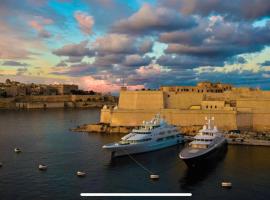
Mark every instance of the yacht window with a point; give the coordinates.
(137, 141)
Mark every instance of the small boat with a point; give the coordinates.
(42, 167)
(150, 136)
(17, 150)
(226, 184)
(81, 174)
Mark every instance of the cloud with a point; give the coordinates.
(22, 44)
(85, 21)
(150, 70)
(265, 63)
(21, 71)
(74, 59)
(61, 64)
(136, 60)
(150, 19)
(75, 50)
(222, 40)
(115, 43)
(39, 24)
(14, 63)
(90, 83)
(239, 9)
(187, 62)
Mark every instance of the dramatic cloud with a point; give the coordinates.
(150, 19)
(183, 61)
(238, 9)
(224, 39)
(136, 60)
(115, 43)
(75, 50)
(85, 21)
(14, 63)
(143, 43)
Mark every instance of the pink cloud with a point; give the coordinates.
(89, 83)
(85, 21)
(39, 24)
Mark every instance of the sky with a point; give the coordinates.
(102, 45)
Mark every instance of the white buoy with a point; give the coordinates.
(42, 167)
(81, 174)
(226, 184)
(154, 176)
(17, 150)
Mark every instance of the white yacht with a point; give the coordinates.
(208, 144)
(151, 135)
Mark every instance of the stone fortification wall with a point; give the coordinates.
(124, 117)
(141, 100)
(182, 100)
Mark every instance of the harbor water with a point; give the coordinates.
(44, 138)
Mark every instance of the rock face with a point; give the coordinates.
(187, 106)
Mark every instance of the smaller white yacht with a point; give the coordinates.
(151, 135)
(207, 145)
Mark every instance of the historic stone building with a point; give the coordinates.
(187, 106)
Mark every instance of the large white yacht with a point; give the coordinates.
(151, 135)
(208, 144)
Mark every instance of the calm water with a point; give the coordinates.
(44, 137)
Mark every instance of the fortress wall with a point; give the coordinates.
(244, 120)
(261, 121)
(182, 100)
(213, 105)
(254, 104)
(105, 116)
(224, 120)
(141, 100)
(122, 117)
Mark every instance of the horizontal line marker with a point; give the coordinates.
(136, 194)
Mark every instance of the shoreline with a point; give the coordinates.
(247, 139)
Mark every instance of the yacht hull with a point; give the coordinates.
(207, 158)
(122, 150)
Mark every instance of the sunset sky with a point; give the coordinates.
(101, 44)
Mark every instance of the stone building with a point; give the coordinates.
(187, 106)
(63, 89)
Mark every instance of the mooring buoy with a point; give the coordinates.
(226, 184)
(81, 174)
(154, 176)
(42, 167)
(17, 150)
